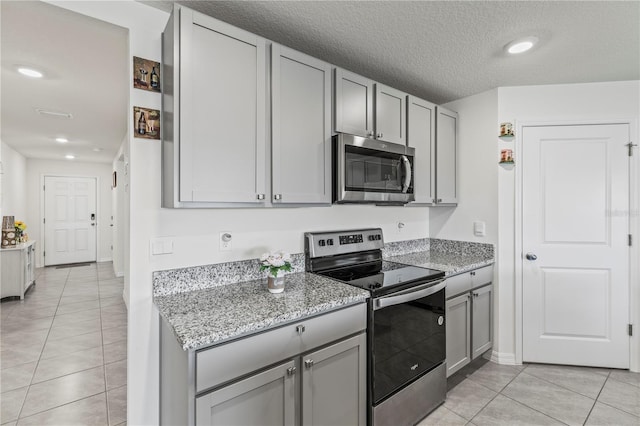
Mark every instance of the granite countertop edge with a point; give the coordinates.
(191, 326)
(450, 264)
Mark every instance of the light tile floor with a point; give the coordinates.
(63, 350)
(485, 393)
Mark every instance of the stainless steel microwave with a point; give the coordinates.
(371, 171)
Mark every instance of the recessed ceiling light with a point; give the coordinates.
(521, 45)
(59, 114)
(30, 72)
(69, 156)
(62, 140)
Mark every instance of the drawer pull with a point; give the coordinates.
(291, 371)
(308, 363)
(300, 329)
(473, 273)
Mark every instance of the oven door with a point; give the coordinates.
(407, 337)
(368, 170)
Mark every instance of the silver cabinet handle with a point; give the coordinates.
(473, 273)
(531, 256)
(308, 363)
(439, 200)
(277, 197)
(260, 196)
(300, 329)
(380, 135)
(370, 133)
(291, 371)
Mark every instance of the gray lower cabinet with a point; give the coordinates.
(334, 384)
(469, 313)
(311, 372)
(458, 315)
(265, 398)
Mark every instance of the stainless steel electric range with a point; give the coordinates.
(406, 324)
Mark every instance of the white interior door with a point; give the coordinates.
(576, 293)
(70, 220)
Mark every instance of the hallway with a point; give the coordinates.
(63, 354)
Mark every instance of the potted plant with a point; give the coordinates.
(277, 263)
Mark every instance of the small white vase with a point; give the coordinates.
(276, 284)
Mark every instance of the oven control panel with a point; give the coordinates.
(319, 244)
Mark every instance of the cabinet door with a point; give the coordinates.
(458, 316)
(391, 118)
(301, 127)
(482, 322)
(266, 398)
(222, 112)
(354, 104)
(446, 156)
(334, 384)
(421, 135)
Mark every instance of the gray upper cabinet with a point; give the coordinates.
(356, 113)
(353, 104)
(421, 135)
(214, 143)
(390, 114)
(301, 128)
(446, 156)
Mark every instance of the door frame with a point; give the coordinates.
(634, 228)
(40, 260)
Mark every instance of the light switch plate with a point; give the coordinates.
(479, 229)
(161, 246)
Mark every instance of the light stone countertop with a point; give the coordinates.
(204, 317)
(450, 263)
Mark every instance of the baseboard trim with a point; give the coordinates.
(504, 358)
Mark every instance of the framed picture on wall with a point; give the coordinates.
(146, 74)
(146, 123)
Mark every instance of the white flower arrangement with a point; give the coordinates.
(275, 262)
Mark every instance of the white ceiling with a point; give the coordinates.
(85, 62)
(438, 50)
(446, 50)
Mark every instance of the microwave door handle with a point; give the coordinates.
(408, 296)
(407, 176)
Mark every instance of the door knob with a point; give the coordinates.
(531, 256)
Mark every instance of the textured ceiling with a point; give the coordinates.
(446, 50)
(85, 62)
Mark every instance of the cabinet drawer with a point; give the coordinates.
(458, 284)
(482, 276)
(263, 349)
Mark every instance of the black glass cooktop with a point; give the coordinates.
(382, 275)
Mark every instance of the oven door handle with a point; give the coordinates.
(407, 176)
(408, 296)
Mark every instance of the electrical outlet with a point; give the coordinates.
(225, 241)
(400, 226)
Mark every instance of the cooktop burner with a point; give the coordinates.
(382, 275)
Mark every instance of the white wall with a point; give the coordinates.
(14, 189)
(37, 168)
(477, 172)
(594, 101)
(118, 212)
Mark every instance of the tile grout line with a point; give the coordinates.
(42, 348)
(497, 393)
(562, 387)
(597, 396)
